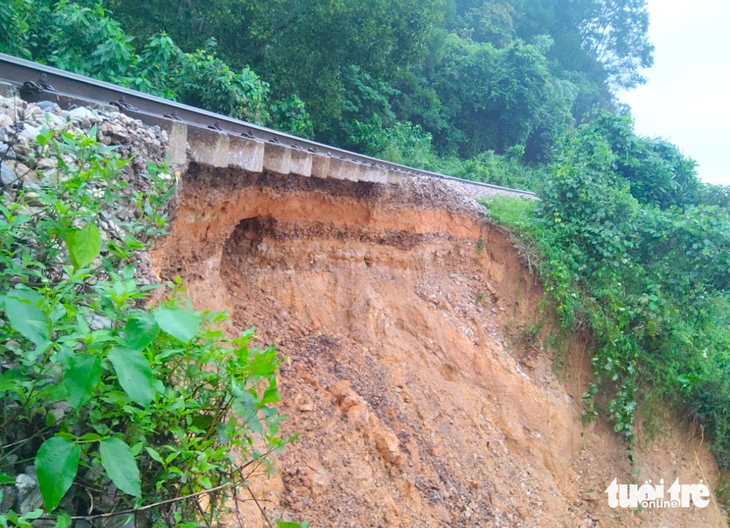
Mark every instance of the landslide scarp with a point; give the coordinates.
(400, 310)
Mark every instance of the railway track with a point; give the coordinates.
(37, 82)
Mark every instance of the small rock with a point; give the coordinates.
(114, 130)
(5, 151)
(442, 513)
(32, 199)
(53, 122)
(7, 175)
(388, 446)
(46, 164)
(29, 495)
(591, 496)
(21, 148)
(59, 410)
(24, 173)
(30, 132)
(81, 115)
(99, 322)
(49, 106)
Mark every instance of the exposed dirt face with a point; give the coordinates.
(401, 312)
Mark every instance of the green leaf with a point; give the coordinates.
(264, 363)
(56, 464)
(290, 524)
(180, 324)
(83, 245)
(24, 315)
(140, 330)
(118, 461)
(80, 376)
(155, 455)
(33, 514)
(64, 520)
(271, 395)
(6, 479)
(134, 374)
(10, 380)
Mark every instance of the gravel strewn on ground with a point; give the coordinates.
(23, 162)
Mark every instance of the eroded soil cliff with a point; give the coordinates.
(404, 317)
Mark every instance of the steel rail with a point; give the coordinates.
(38, 82)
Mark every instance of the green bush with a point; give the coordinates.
(119, 405)
(290, 115)
(86, 40)
(507, 170)
(630, 251)
(205, 81)
(14, 27)
(403, 143)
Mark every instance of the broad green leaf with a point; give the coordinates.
(24, 315)
(180, 324)
(6, 479)
(83, 245)
(264, 363)
(118, 461)
(10, 380)
(140, 330)
(203, 421)
(56, 464)
(134, 374)
(58, 312)
(80, 376)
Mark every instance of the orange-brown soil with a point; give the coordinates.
(419, 398)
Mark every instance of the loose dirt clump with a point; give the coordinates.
(421, 395)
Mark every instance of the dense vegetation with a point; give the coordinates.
(632, 246)
(429, 83)
(515, 92)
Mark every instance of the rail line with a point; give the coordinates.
(36, 82)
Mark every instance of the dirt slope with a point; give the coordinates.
(401, 311)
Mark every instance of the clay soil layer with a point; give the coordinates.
(416, 371)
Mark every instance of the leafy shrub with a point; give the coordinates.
(157, 67)
(506, 170)
(86, 40)
(119, 405)
(630, 251)
(403, 143)
(207, 82)
(290, 115)
(14, 27)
